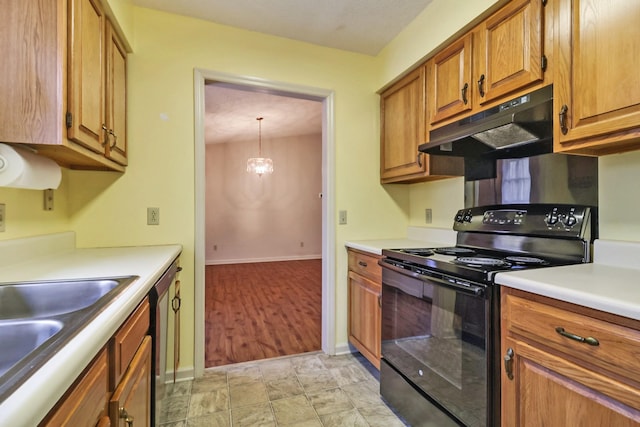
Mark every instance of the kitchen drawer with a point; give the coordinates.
(127, 340)
(365, 264)
(618, 349)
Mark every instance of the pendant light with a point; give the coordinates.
(259, 165)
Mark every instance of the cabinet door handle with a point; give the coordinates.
(380, 300)
(127, 418)
(106, 135)
(465, 88)
(588, 340)
(508, 363)
(419, 159)
(563, 119)
(481, 85)
(176, 302)
(362, 264)
(115, 139)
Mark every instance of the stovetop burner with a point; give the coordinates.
(481, 261)
(418, 252)
(454, 250)
(526, 260)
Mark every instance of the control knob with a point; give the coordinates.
(551, 218)
(570, 220)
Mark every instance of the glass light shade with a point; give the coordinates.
(259, 165)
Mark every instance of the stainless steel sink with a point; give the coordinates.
(38, 318)
(21, 337)
(46, 299)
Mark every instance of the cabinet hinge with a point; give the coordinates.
(543, 63)
(68, 120)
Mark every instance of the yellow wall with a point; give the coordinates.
(25, 214)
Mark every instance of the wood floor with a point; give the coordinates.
(262, 310)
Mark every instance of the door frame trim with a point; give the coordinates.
(201, 76)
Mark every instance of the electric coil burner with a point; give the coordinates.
(440, 314)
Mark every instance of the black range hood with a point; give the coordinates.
(521, 127)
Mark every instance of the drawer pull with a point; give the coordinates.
(588, 340)
(362, 264)
(508, 363)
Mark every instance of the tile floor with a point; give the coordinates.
(306, 390)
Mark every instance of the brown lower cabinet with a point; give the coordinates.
(566, 365)
(115, 389)
(364, 312)
(132, 399)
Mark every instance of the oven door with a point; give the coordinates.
(434, 347)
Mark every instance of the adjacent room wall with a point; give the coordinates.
(274, 217)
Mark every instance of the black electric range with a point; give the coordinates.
(493, 239)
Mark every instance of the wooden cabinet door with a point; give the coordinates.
(402, 127)
(86, 403)
(596, 84)
(449, 81)
(509, 50)
(548, 390)
(131, 401)
(116, 97)
(86, 74)
(32, 35)
(364, 317)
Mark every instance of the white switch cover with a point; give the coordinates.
(2, 217)
(342, 217)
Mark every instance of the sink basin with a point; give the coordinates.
(21, 337)
(37, 319)
(47, 299)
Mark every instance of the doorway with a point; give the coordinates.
(201, 77)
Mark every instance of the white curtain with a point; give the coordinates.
(516, 181)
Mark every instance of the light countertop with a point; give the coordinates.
(611, 283)
(417, 237)
(55, 257)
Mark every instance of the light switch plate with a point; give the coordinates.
(2, 216)
(342, 217)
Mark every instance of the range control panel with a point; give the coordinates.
(536, 219)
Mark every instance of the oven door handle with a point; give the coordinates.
(475, 290)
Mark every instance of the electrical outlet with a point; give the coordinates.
(2, 216)
(342, 217)
(153, 216)
(428, 216)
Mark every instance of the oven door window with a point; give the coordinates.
(438, 341)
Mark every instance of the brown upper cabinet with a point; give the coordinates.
(596, 90)
(402, 130)
(449, 81)
(500, 56)
(64, 91)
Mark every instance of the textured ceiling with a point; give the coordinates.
(363, 26)
(231, 115)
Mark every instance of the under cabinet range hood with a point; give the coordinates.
(520, 127)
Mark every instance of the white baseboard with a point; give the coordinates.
(182, 374)
(270, 259)
(344, 349)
